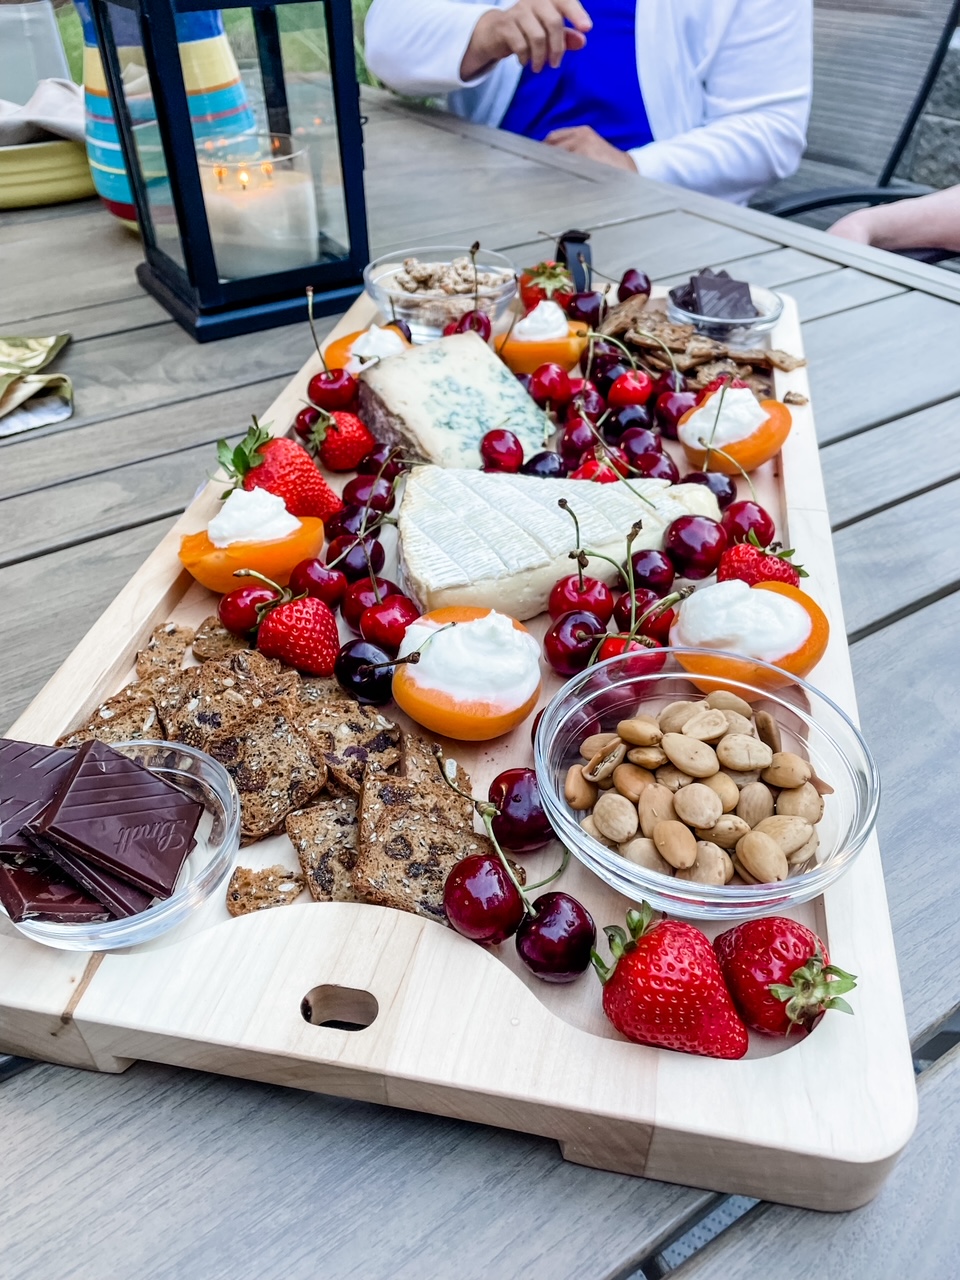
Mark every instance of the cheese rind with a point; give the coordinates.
(501, 541)
(438, 400)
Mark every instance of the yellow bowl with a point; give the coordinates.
(36, 173)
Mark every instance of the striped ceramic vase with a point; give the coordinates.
(218, 100)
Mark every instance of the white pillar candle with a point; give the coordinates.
(262, 218)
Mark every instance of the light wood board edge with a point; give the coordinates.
(458, 1034)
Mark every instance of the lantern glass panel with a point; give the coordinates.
(273, 190)
(163, 229)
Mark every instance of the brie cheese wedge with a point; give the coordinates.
(500, 541)
(439, 400)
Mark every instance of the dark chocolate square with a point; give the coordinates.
(39, 891)
(117, 814)
(30, 777)
(122, 898)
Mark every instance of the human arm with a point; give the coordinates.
(757, 85)
(422, 47)
(926, 222)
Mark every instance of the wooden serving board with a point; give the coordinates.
(454, 1029)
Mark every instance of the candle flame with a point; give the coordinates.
(243, 178)
(221, 173)
(267, 170)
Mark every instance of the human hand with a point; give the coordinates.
(534, 30)
(581, 140)
(856, 226)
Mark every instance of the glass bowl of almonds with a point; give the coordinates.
(431, 285)
(714, 799)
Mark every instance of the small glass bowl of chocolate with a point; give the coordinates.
(722, 308)
(136, 838)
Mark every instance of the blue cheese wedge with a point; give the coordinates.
(500, 541)
(439, 400)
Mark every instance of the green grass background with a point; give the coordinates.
(302, 50)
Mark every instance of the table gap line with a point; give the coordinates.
(68, 543)
(893, 417)
(915, 606)
(895, 502)
(83, 306)
(59, 428)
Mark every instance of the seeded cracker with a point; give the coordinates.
(257, 890)
(213, 641)
(325, 838)
(129, 714)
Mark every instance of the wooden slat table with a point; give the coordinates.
(189, 1174)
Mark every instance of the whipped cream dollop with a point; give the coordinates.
(486, 660)
(545, 323)
(739, 416)
(374, 344)
(251, 516)
(732, 615)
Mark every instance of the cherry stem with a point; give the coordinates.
(411, 659)
(645, 333)
(608, 337)
(474, 250)
(565, 505)
(623, 479)
(732, 460)
(564, 863)
(313, 331)
(716, 423)
(268, 582)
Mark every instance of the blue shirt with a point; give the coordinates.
(597, 85)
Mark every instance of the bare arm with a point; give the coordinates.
(534, 30)
(927, 222)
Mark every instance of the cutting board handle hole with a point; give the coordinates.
(344, 1008)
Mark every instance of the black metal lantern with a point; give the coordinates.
(240, 126)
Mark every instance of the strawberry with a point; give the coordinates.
(341, 440)
(303, 634)
(281, 466)
(717, 384)
(752, 563)
(665, 989)
(780, 976)
(546, 281)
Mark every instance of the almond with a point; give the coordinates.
(615, 817)
(676, 843)
(655, 805)
(577, 791)
(690, 755)
(642, 852)
(697, 805)
(762, 857)
(755, 803)
(640, 731)
(787, 770)
(739, 751)
(802, 802)
(724, 700)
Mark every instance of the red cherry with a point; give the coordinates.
(632, 283)
(656, 466)
(384, 460)
(571, 640)
(639, 440)
(646, 599)
(652, 570)
(650, 655)
(450, 328)
(355, 520)
(360, 595)
(481, 901)
(587, 403)
(384, 624)
(370, 491)
(600, 471)
(723, 488)
(347, 554)
(657, 622)
(695, 545)
(606, 373)
(594, 596)
(550, 385)
(576, 439)
(556, 942)
(305, 421)
(521, 824)
(723, 381)
(237, 610)
(546, 464)
(635, 387)
(631, 416)
(670, 408)
(669, 381)
(740, 518)
(475, 322)
(501, 451)
(314, 578)
(332, 389)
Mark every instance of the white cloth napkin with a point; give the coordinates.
(54, 111)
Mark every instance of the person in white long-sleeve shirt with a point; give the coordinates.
(712, 95)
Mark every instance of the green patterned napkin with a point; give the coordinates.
(29, 398)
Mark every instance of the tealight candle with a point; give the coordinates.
(262, 215)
